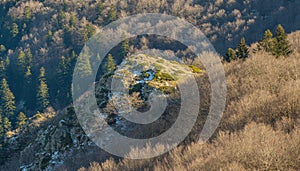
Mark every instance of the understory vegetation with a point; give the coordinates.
(260, 128)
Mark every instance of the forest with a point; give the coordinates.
(41, 40)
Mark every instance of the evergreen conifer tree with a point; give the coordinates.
(28, 75)
(29, 89)
(7, 99)
(230, 55)
(21, 120)
(110, 64)
(29, 58)
(42, 76)
(6, 125)
(27, 13)
(42, 93)
(14, 30)
(2, 70)
(125, 46)
(1, 127)
(281, 43)
(21, 61)
(64, 80)
(100, 8)
(242, 49)
(112, 13)
(83, 64)
(267, 43)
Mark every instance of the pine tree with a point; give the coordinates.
(42, 93)
(112, 14)
(22, 61)
(7, 99)
(24, 28)
(64, 80)
(42, 96)
(49, 36)
(6, 125)
(60, 18)
(63, 71)
(42, 76)
(88, 31)
(110, 64)
(28, 89)
(27, 13)
(20, 75)
(125, 46)
(281, 43)
(7, 61)
(29, 58)
(1, 127)
(14, 30)
(100, 8)
(242, 49)
(2, 69)
(73, 20)
(28, 75)
(21, 120)
(230, 55)
(83, 64)
(267, 43)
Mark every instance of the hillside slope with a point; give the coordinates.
(60, 141)
(260, 128)
(39, 45)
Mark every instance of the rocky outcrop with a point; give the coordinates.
(57, 142)
(63, 137)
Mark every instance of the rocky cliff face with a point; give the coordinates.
(57, 142)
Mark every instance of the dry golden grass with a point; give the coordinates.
(260, 129)
(262, 89)
(257, 147)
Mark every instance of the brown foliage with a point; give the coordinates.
(260, 129)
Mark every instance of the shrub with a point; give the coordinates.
(195, 69)
(167, 89)
(160, 61)
(163, 76)
(135, 88)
